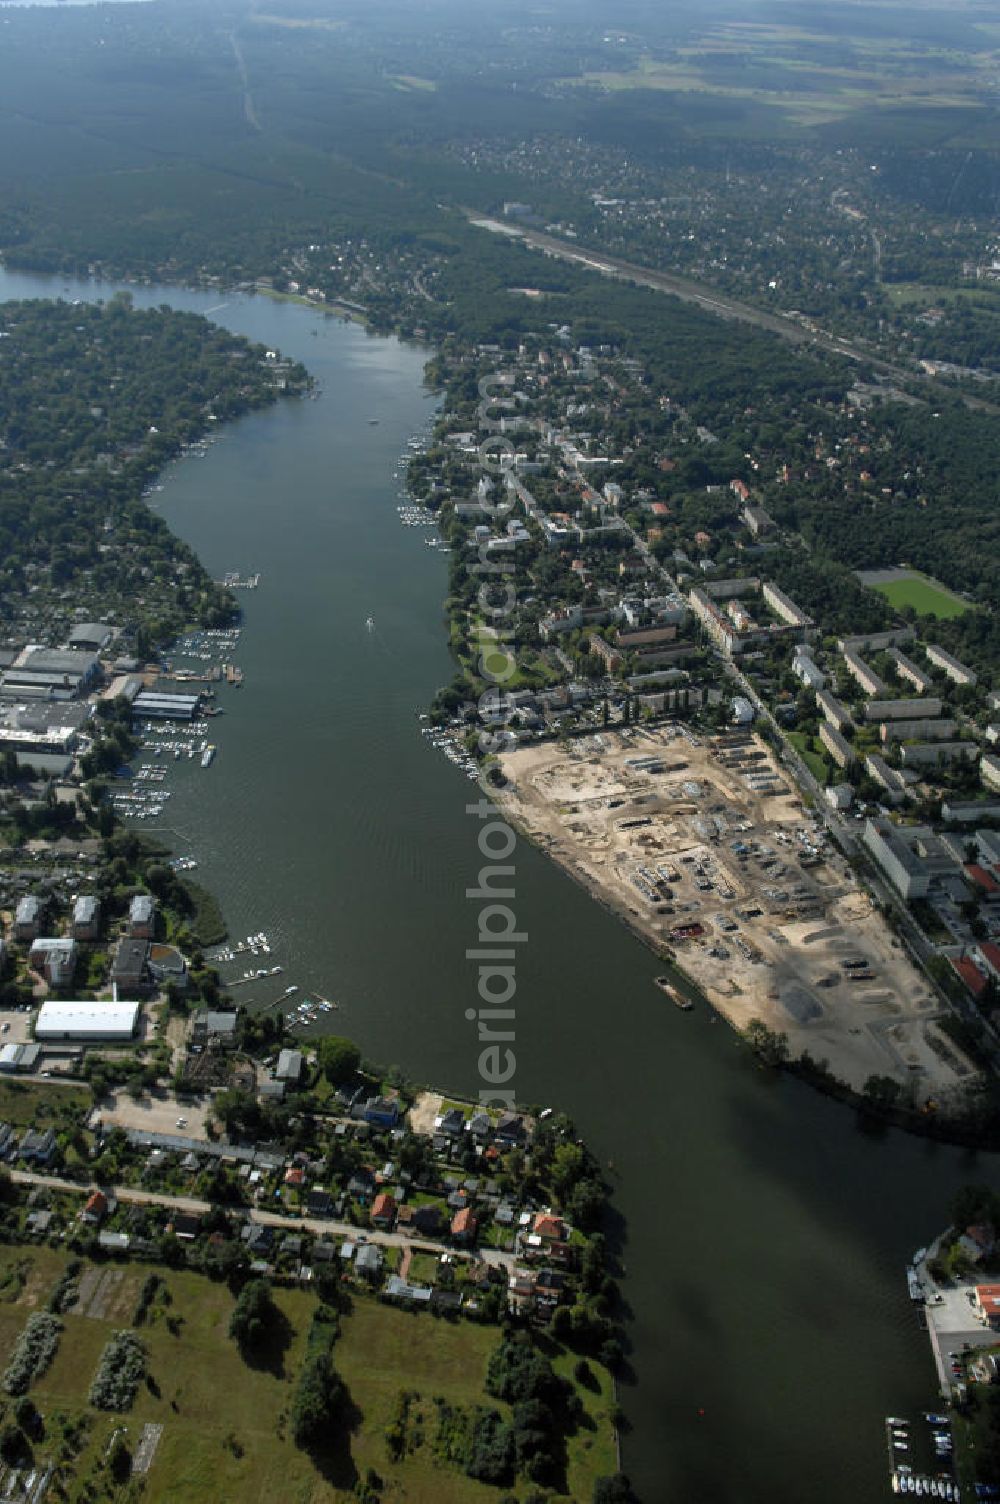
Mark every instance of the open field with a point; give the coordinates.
(908, 587)
(37, 1104)
(705, 850)
(225, 1422)
(812, 76)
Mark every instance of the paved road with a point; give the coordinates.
(316, 1225)
(720, 303)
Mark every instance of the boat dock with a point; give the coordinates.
(921, 1460)
(236, 581)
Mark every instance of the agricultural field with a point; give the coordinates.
(908, 587)
(813, 77)
(226, 1421)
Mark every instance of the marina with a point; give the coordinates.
(452, 749)
(921, 1462)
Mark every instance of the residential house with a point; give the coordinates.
(368, 1261)
(142, 916)
(289, 1066)
(37, 1147)
(975, 981)
(86, 924)
(259, 1240)
(427, 1220)
(381, 1112)
(452, 1122)
(987, 1303)
(521, 1291)
(464, 1226)
(95, 1209)
(549, 1228)
(977, 1242)
(383, 1212)
(361, 1185)
(511, 1132)
(54, 959)
(28, 918)
(128, 965)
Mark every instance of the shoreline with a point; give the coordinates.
(773, 982)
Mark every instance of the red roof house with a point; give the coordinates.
(464, 1225)
(983, 879)
(990, 953)
(384, 1210)
(551, 1229)
(96, 1208)
(973, 978)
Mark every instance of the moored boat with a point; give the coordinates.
(677, 998)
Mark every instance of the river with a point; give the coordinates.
(766, 1235)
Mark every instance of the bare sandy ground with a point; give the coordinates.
(155, 1114)
(671, 830)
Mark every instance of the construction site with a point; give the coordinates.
(704, 847)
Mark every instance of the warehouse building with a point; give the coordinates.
(91, 636)
(152, 706)
(19, 1059)
(88, 1022)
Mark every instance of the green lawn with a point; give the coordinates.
(225, 1425)
(814, 761)
(926, 596)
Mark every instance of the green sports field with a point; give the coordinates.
(926, 596)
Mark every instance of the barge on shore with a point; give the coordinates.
(676, 997)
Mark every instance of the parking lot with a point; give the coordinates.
(154, 1114)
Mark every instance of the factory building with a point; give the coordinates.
(87, 1021)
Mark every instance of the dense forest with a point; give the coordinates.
(94, 400)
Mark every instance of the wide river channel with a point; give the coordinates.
(766, 1236)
